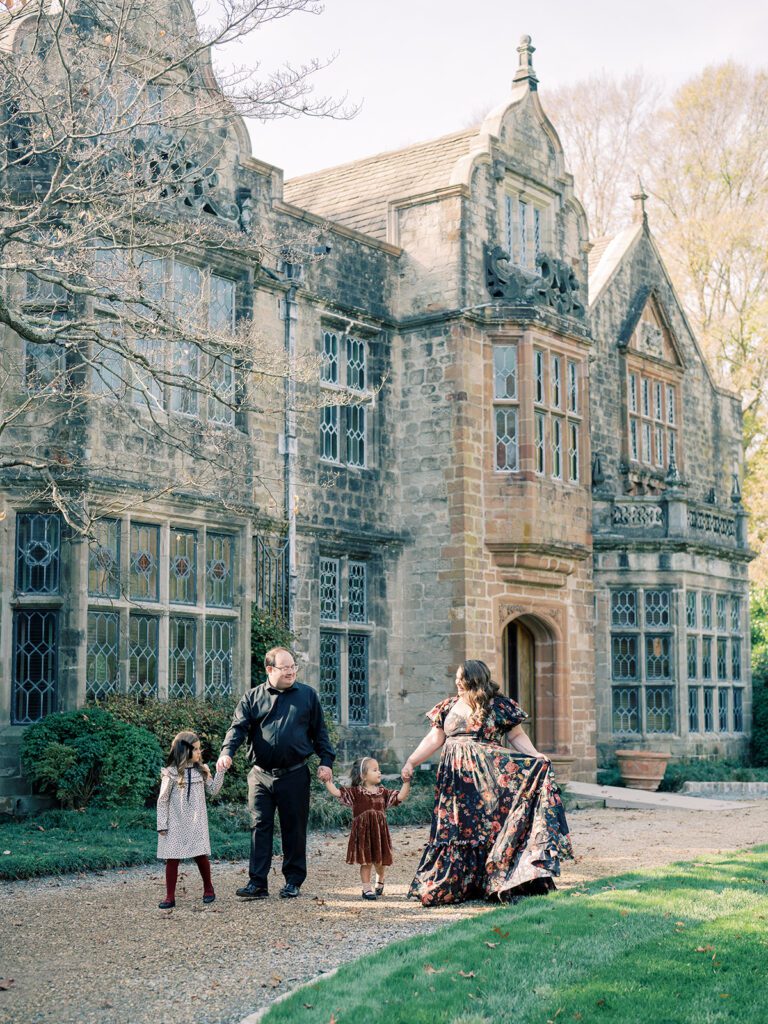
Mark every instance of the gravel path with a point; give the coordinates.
(93, 949)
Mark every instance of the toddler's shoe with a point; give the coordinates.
(209, 897)
(369, 894)
(167, 905)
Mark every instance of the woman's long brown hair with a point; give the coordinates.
(479, 688)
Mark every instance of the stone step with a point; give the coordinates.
(615, 796)
(728, 790)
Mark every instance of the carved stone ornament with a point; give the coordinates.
(554, 286)
(704, 521)
(636, 514)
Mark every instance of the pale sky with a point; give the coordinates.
(424, 68)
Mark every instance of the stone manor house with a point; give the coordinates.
(520, 456)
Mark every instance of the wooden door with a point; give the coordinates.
(520, 670)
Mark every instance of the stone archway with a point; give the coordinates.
(530, 677)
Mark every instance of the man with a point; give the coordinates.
(283, 723)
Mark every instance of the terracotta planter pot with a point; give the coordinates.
(642, 769)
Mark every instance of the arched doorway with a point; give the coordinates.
(530, 677)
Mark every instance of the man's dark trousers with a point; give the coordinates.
(289, 796)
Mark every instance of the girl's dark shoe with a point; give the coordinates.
(379, 889)
(209, 897)
(167, 905)
(369, 894)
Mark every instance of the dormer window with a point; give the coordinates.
(524, 228)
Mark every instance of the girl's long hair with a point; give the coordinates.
(358, 770)
(180, 757)
(479, 688)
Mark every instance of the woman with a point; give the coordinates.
(498, 828)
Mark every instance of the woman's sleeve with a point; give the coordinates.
(438, 713)
(392, 798)
(213, 785)
(346, 796)
(508, 713)
(163, 800)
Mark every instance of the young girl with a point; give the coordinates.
(369, 841)
(182, 819)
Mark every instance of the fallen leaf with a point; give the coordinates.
(624, 913)
(679, 924)
(309, 1006)
(466, 974)
(275, 980)
(705, 949)
(5, 984)
(429, 969)
(320, 902)
(725, 995)
(601, 1002)
(491, 945)
(500, 933)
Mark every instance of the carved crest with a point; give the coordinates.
(555, 285)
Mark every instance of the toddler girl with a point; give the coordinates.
(369, 841)
(182, 819)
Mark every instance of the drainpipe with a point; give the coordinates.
(289, 312)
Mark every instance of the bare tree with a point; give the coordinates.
(120, 135)
(601, 122)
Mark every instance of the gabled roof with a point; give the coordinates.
(606, 255)
(358, 194)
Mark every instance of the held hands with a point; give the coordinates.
(407, 772)
(324, 773)
(224, 763)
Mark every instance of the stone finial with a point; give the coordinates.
(673, 478)
(639, 198)
(736, 490)
(525, 72)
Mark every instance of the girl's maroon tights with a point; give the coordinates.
(172, 874)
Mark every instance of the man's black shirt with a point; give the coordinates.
(281, 727)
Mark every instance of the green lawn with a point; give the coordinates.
(682, 945)
(59, 842)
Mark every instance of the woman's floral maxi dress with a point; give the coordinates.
(498, 820)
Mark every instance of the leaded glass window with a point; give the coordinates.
(573, 453)
(221, 308)
(626, 718)
(104, 559)
(219, 570)
(329, 359)
(356, 364)
(659, 709)
(624, 608)
(540, 441)
(738, 709)
(522, 226)
(624, 657)
(657, 661)
(735, 615)
(647, 445)
(356, 435)
(659, 452)
(722, 658)
(357, 606)
(634, 446)
(145, 553)
(330, 674)
(692, 657)
(358, 679)
(691, 616)
(44, 366)
(573, 387)
(219, 647)
(182, 654)
(187, 293)
(102, 662)
(656, 608)
(109, 372)
(536, 232)
(330, 589)
(706, 611)
(722, 605)
(709, 709)
(557, 382)
(557, 448)
(182, 566)
(706, 657)
(632, 392)
(722, 709)
(38, 553)
(222, 381)
(538, 367)
(505, 371)
(509, 231)
(186, 371)
(143, 655)
(146, 388)
(736, 659)
(646, 397)
(506, 439)
(657, 400)
(693, 709)
(35, 669)
(670, 405)
(329, 433)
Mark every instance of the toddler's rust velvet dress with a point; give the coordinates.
(369, 840)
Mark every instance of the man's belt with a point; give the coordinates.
(277, 773)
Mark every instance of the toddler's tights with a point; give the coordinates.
(172, 874)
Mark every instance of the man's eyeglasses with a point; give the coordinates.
(284, 668)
